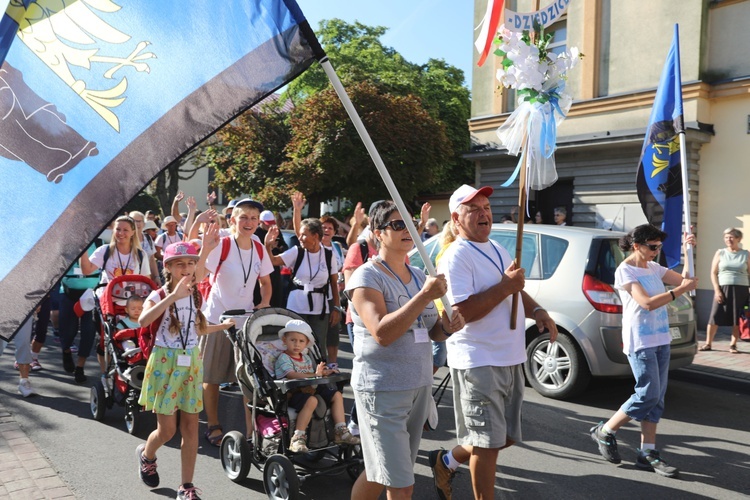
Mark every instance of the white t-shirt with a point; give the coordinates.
(186, 311)
(488, 341)
(235, 283)
(312, 271)
(642, 329)
(119, 264)
(164, 240)
(148, 245)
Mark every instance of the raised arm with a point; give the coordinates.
(298, 203)
(192, 208)
(358, 217)
(176, 205)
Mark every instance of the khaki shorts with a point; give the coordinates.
(218, 358)
(390, 426)
(487, 404)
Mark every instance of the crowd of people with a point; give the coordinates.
(398, 329)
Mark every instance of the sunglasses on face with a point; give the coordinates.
(653, 248)
(396, 225)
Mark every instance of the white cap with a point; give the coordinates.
(299, 326)
(465, 194)
(267, 217)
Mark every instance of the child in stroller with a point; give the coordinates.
(124, 363)
(133, 309)
(260, 344)
(295, 363)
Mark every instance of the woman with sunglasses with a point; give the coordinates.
(646, 340)
(394, 320)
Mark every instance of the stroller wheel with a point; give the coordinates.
(97, 400)
(236, 456)
(280, 478)
(132, 420)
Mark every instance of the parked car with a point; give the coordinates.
(570, 271)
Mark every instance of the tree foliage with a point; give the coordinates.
(358, 55)
(247, 154)
(416, 115)
(327, 157)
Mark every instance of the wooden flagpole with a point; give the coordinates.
(521, 206)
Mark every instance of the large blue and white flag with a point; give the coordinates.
(96, 98)
(659, 178)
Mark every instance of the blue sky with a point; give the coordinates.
(418, 29)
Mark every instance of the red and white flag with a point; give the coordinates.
(488, 29)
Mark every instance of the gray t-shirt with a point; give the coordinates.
(404, 364)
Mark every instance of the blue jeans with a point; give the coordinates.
(651, 370)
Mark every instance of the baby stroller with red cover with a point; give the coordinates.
(283, 471)
(126, 364)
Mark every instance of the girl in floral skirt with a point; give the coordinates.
(174, 373)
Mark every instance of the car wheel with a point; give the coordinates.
(557, 371)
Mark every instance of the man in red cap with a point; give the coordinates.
(485, 357)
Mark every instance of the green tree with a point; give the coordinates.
(416, 115)
(247, 153)
(358, 55)
(327, 158)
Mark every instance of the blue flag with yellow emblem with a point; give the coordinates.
(98, 97)
(659, 178)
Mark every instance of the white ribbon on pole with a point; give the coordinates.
(365, 136)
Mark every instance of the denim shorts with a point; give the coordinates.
(650, 368)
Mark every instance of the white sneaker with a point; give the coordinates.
(353, 428)
(24, 388)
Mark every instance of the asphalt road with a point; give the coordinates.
(705, 432)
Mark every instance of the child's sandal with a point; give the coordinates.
(214, 440)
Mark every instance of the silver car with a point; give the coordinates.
(570, 271)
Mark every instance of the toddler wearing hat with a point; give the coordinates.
(296, 363)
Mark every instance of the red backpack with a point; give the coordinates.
(205, 285)
(147, 334)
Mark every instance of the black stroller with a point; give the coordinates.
(283, 471)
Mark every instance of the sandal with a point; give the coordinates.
(733, 349)
(214, 440)
(705, 347)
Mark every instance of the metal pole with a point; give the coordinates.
(365, 136)
(686, 205)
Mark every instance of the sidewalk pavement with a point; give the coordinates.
(718, 362)
(26, 473)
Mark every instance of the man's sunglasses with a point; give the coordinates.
(396, 225)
